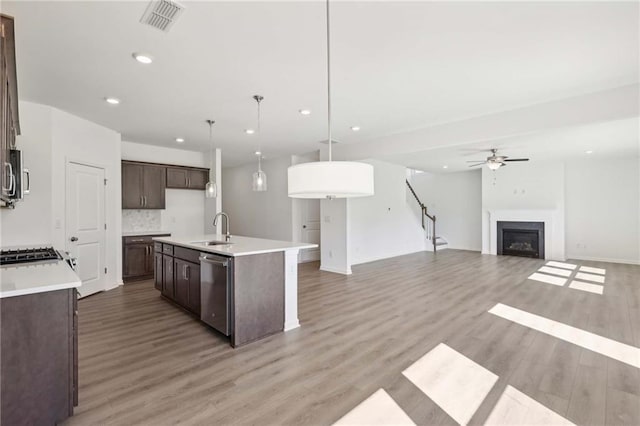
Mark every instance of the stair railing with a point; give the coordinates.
(430, 226)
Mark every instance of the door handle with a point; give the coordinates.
(28, 175)
(212, 261)
(73, 239)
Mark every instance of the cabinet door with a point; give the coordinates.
(136, 257)
(198, 179)
(150, 259)
(193, 279)
(154, 184)
(132, 186)
(177, 178)
(157, 273)
(181, 282)
(167, 276)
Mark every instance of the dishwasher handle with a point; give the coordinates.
(213, 261)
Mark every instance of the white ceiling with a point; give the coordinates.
(396, 65)
(605, 140)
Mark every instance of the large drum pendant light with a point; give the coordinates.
(330, 179)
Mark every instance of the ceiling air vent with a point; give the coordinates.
(162, 14)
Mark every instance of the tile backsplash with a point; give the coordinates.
(141, 220)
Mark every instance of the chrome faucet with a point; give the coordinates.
(227, 236)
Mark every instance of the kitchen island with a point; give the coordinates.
(245, 288)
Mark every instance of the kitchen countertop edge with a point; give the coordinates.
(216, 249)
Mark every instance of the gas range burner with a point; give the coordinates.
(29, 255)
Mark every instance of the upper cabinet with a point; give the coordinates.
(9, 119)
(143, 186)
(187, 178)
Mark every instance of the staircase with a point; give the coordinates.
(429, 224)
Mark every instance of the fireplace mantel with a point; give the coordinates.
(553, 224)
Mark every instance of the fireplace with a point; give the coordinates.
(521, 239)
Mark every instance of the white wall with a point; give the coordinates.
(456, 201)
(30, 223)
(526, 186)
(184, 215)
(56, 137)
(265, 214)
(383, 225)
(603, 209)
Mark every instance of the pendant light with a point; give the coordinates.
(259, 177)
(330, 179)
(211, 189)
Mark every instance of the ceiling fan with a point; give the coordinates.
(495, 161)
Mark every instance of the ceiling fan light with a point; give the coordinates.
(330, 179)
(494, 165)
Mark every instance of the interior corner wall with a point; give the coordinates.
(76, 139)
(184, 214)
(50, 138)
(265, 214)
(456, 201)
(383, 225)
(603, 209)
(31, 222)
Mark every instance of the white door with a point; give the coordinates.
(310, 210)
(85, 226)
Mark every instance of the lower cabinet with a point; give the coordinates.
(39, 363)
(177, 275)
(187, 284)
(138, 257)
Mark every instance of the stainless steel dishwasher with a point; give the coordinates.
(216, 279)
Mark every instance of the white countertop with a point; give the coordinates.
(36, 278)
(237, 246)
(143, 233)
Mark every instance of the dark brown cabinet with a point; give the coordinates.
(9, 119)
(39, 363)
(179, 278)
(187, 178)
(157, 281)
(143, 186)
(167, 276)
(138, 260)
(187, 284)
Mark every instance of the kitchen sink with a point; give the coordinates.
(213, 243)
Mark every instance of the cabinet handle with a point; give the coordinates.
(188, 274)
(28, 176)
(144, 197)
(184, 272)
(141, 201)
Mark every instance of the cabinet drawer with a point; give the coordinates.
(157, 247)
(167, 249)
(140, 239)
(187, 254)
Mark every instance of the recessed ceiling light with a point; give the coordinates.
(258, 153)
(588, 152)
(249, 131)
(112, 101)
(355, 128)
(143, 58)
(179, 140)
(304, 111)
(445, 167)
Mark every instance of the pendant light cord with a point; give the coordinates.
(329, 79)
(210, 122)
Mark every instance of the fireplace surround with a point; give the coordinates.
(521, 239)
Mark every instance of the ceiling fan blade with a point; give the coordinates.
(476, 165)
(517, 159)
(476, 161)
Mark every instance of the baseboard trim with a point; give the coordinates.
(605, 259)
(375, 259)
(291, 325)
(336, 270)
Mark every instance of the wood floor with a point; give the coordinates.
(144, 361)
